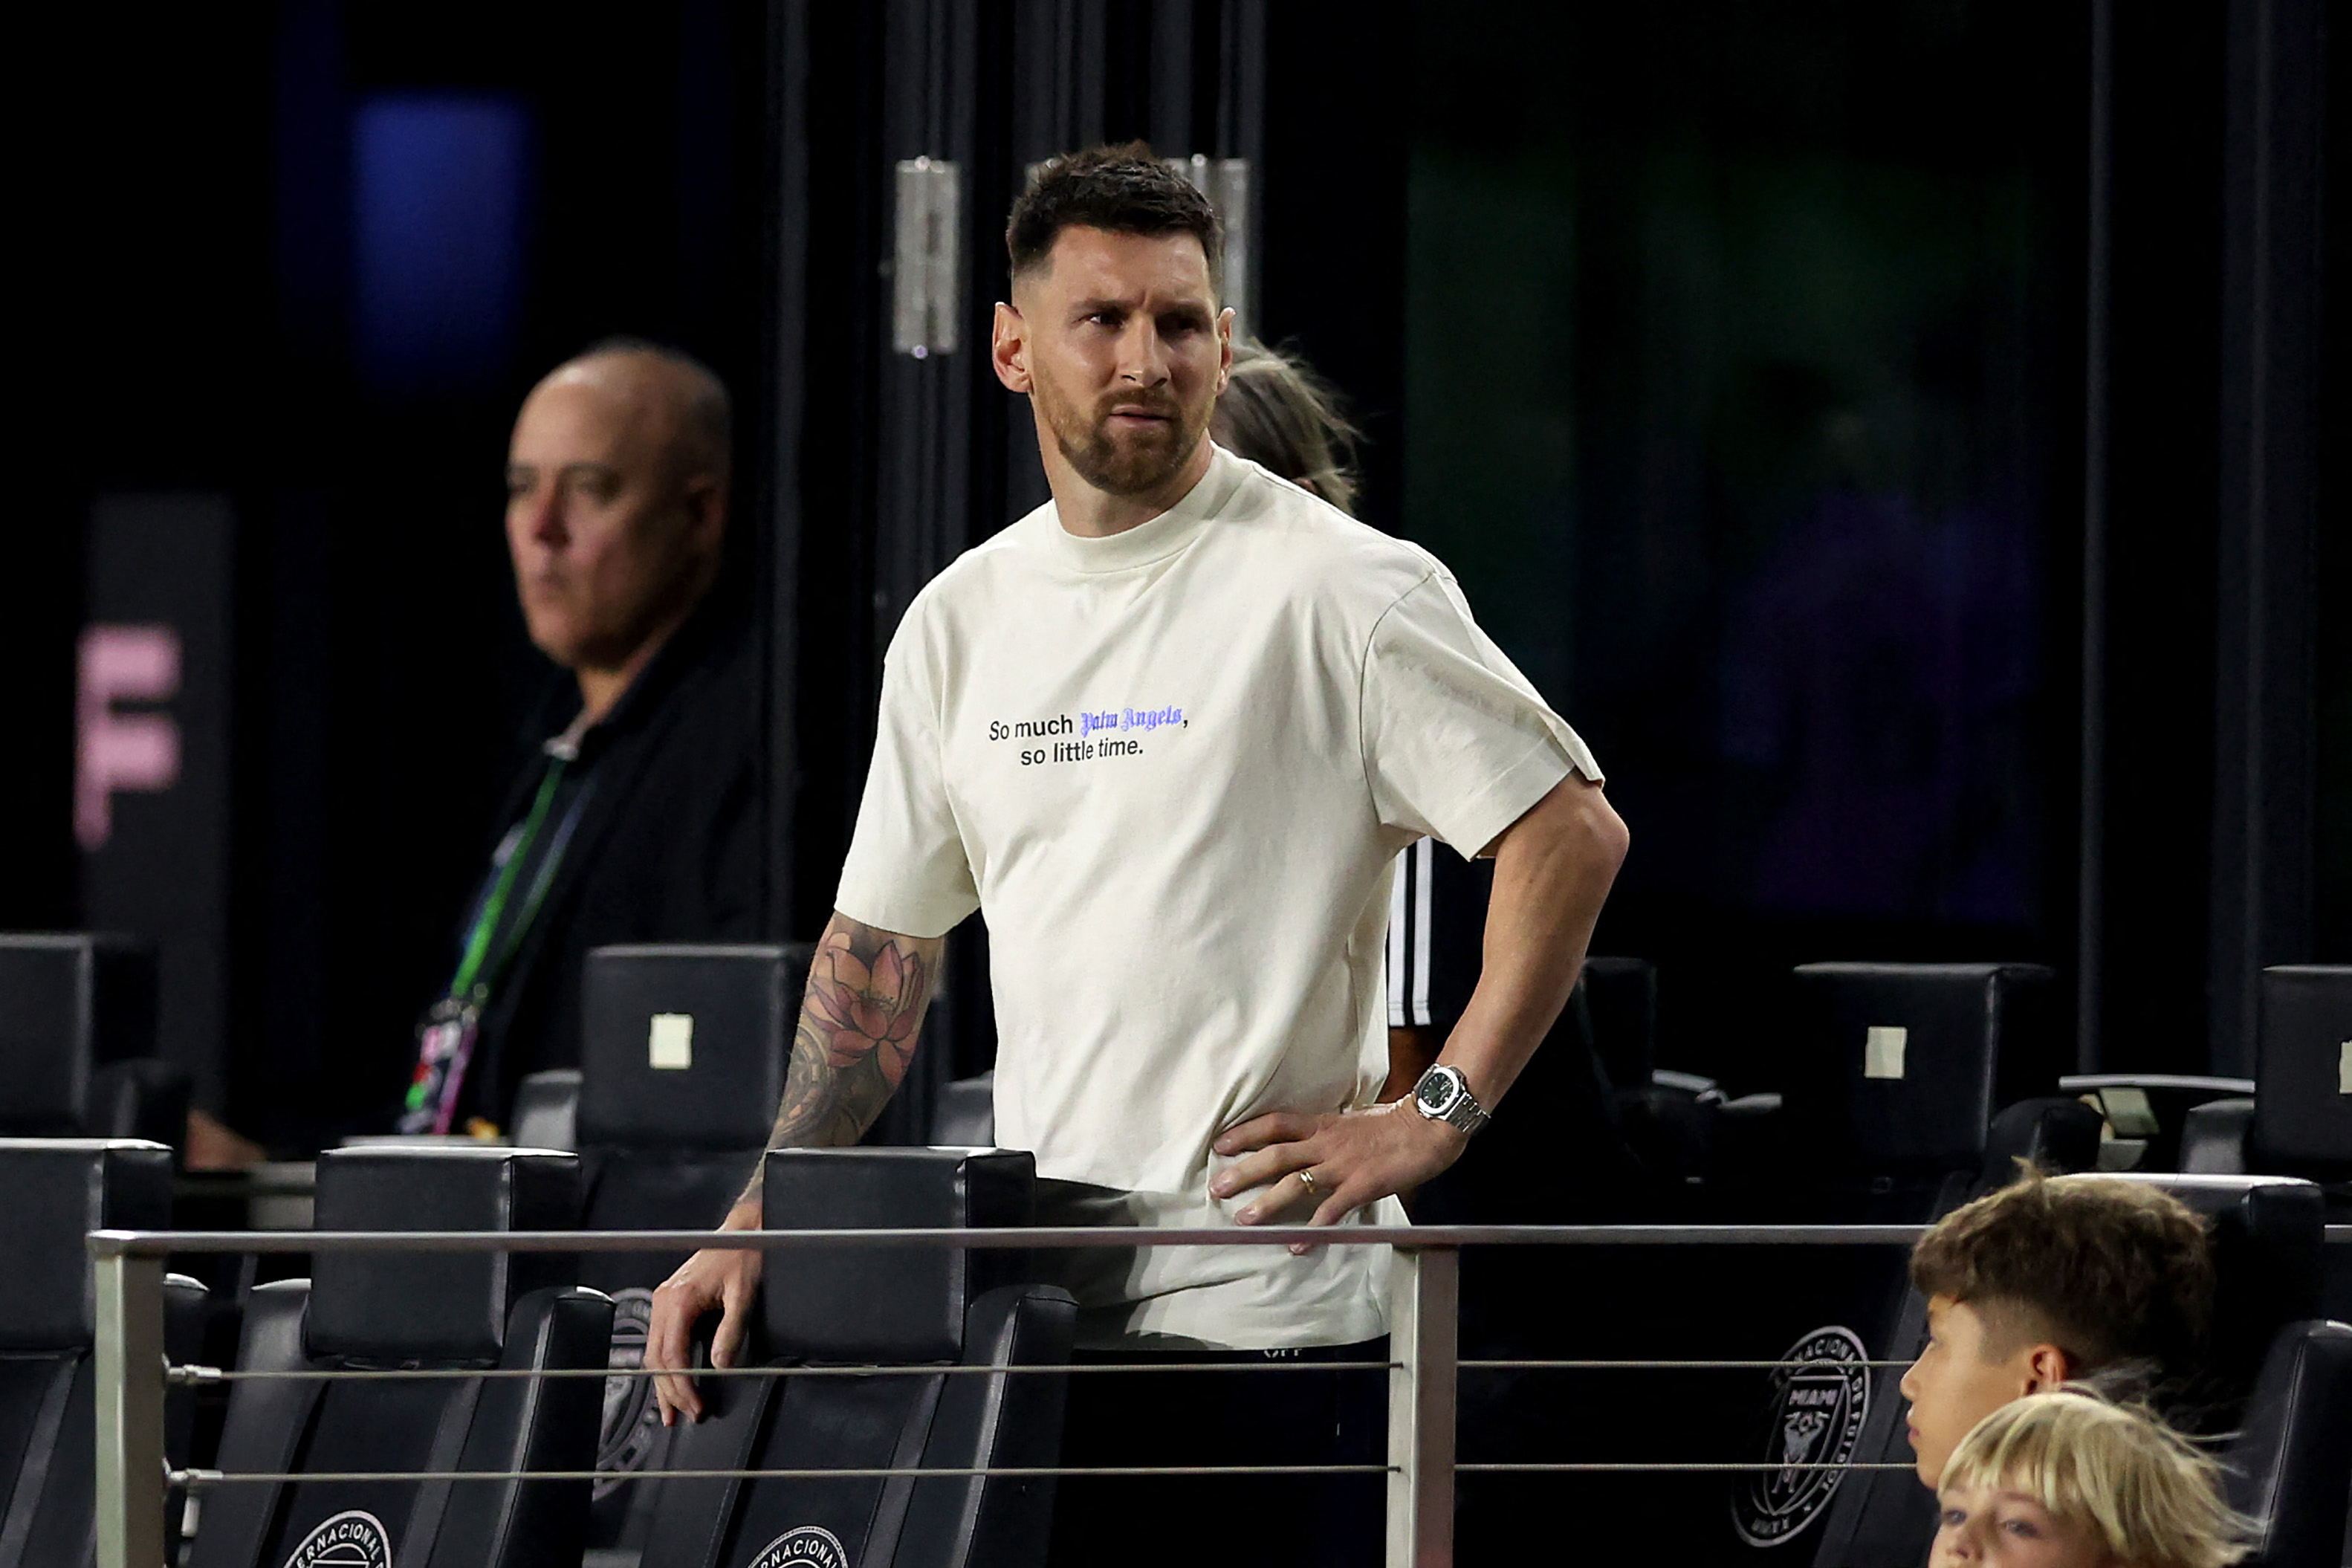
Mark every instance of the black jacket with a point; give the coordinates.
(672, 844)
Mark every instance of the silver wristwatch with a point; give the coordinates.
(1443, 1095)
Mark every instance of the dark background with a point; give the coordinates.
(1738, 357)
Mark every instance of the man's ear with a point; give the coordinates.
(2046, 1369)
(706, 508)
(1008, 348)
(1224, 348)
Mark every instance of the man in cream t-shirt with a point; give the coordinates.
(1176, 780)
(1169, 734)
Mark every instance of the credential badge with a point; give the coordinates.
(349, 1540)
(1812, 1418)
(632, 1424)
(803, 1546)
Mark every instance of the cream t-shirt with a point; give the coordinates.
(1172, 769)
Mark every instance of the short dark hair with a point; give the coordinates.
(2113, 1271)
(1124, 189)
(708, 414)
(1277, 413)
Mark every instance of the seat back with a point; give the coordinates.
(1621, 1000)
(409, 1311)
(1901, 1067)
(685, 1047)
(2303, 1084)
(57, 1192)
(2288, 1468)
(915, 1310)
(683, 1054)
(78, 1040)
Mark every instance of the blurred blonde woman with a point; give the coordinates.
(1277, 413)
(2065, 1480)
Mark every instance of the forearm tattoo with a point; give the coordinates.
(867, 992)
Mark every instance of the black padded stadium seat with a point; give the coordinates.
(1559, 1153)
(2289, 1467)
(1909, 1085)
(2302, 1093)
(1620, 998)
(2294, 1118)
(2298, 1121)
(412, 1310)
(2282, 1382)
(1667, 1121)
(1888, 1130)
(682, 1065)
(882, 1307)
(57, 1190)
(2148, 1115)
(1902, 1068)
(78, 1041)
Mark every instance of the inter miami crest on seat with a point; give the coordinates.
(351, 1539)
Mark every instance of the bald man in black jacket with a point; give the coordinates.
(638, 813)
(640, 816)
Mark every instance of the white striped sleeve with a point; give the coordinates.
(1410, 892)
(1398, 941)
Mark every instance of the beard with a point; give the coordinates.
(1124, 463)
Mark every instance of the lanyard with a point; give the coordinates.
(472, 981)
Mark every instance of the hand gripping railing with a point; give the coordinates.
(1423, 1361)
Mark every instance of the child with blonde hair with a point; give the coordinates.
(2065, 1480)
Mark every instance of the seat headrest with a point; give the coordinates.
(1901, 1066)
(887, 1304)
(2302, 1079)
(57, 1192)
(68, 1001)
(686, 1046)
(434, 1306)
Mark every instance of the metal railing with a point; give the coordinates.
(1423, 1367)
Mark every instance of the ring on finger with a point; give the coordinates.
(1306, 1180)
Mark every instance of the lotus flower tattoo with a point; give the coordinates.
(862, 1008)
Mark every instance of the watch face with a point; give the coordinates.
(1436, 1091)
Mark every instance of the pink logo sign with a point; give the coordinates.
(123, 750)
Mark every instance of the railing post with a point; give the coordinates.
(130, 1389)
(1423, 1295)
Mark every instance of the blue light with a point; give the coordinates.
(440, 201)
